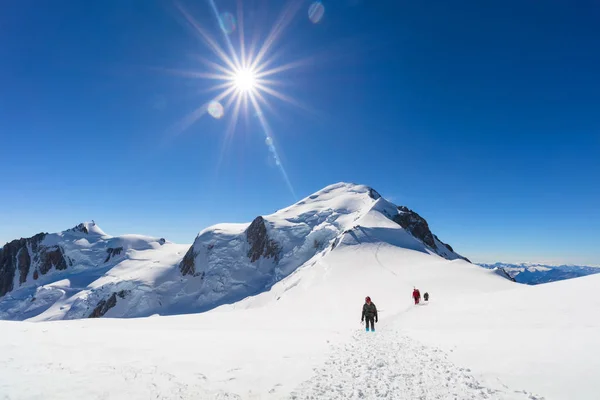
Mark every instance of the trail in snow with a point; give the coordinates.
(389, 365)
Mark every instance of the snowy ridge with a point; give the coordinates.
(299, 336)
(67, 274)
(136, 276)
(227, 263)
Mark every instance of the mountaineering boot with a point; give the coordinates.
(367, 329)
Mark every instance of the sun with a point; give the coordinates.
(245, 80)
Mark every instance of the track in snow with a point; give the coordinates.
(388, 365)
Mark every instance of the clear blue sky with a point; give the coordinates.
(483, 116)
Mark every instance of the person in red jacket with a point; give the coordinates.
(416, 295)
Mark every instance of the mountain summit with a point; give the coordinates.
(232, 261)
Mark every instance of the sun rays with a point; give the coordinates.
(245, 74)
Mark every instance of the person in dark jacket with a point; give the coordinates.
(369, 312)
(426, 296)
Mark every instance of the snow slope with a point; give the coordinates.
(302, 338)
(136, 276)
(229, 262)
(299, 336)
(546, 337)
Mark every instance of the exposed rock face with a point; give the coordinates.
(105, 305)
(80, 228)
(23, 254)
(187, 265)
(373, 194)
(112, 252)
(260, 243)
(419, 228)
(23, 263)
(51, 257)
(415, 224)
(502, 272)
(7, 269)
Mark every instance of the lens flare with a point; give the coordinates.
(227, 22)
(316, 12)
(245, 74)
(215, 109)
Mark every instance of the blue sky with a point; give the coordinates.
(482, 116)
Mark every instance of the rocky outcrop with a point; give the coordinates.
(49, 257)
(503, 273)
(21, 255)
(260, 243)
(188, 264)
(112, 252)
(415, 224)
(373, 194)
(105, 305)
(419, 228)
(80, 228)
(7, 269)
(23, 263)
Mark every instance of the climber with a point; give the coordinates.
(426, 296)
(369, 312)
(416, 295)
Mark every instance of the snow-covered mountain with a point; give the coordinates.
(534, 274)
(83, 272)
(79, 272)
(299, 336)
(229, 262)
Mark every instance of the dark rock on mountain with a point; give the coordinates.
(260, 243)
(373, 194)
(49, 257)
(21, 254)
(188, 265)
(112, 252)
(502, 272)
(103, 306)
(23, 263)
(80, 228)
(415, 224)
(419, 228)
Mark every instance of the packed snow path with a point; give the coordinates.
(387, 365)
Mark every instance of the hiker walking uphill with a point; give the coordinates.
(416, 295)
(369, 312)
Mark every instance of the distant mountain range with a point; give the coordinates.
(534, 274)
